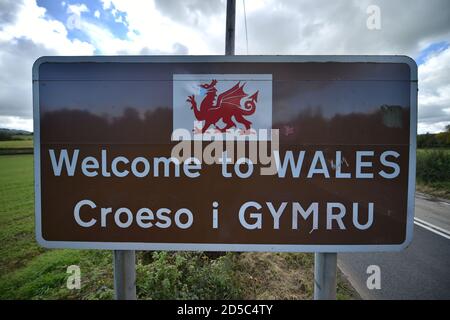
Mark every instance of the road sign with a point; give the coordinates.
(234, 153)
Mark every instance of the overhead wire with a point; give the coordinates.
(245, 24)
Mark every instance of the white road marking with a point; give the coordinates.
(430, 227)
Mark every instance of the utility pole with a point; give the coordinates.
(230, 27)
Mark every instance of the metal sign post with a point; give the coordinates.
(325, 276)
(125, 274)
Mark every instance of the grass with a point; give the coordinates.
(28, 271)
(21, 144)
(276, 275)
(16, 212)
(13, 144)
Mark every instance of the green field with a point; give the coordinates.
(28, 271)
(12, 144)
(20, 144)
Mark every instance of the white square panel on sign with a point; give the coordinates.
(230, 106)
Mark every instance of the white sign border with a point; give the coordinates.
(222, 246)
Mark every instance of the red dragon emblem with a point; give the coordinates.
(227, 106)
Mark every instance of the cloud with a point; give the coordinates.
(16, 58)
(106, 4)
(8, 9)
(339, 27)
(31, 23)
(434, 92)
(192, 11)
(270, 31)
(77, 9)
(23, 39)
(16, 123)
(159, 25)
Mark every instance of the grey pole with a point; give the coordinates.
(325, 267)
(125, 274)
(231, 21)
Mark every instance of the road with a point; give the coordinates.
(422, 271)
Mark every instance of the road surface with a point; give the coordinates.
(422, 271)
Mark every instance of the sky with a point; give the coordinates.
(33, 28)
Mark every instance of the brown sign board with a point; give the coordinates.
(225, 153)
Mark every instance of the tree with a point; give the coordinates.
(5, 136)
